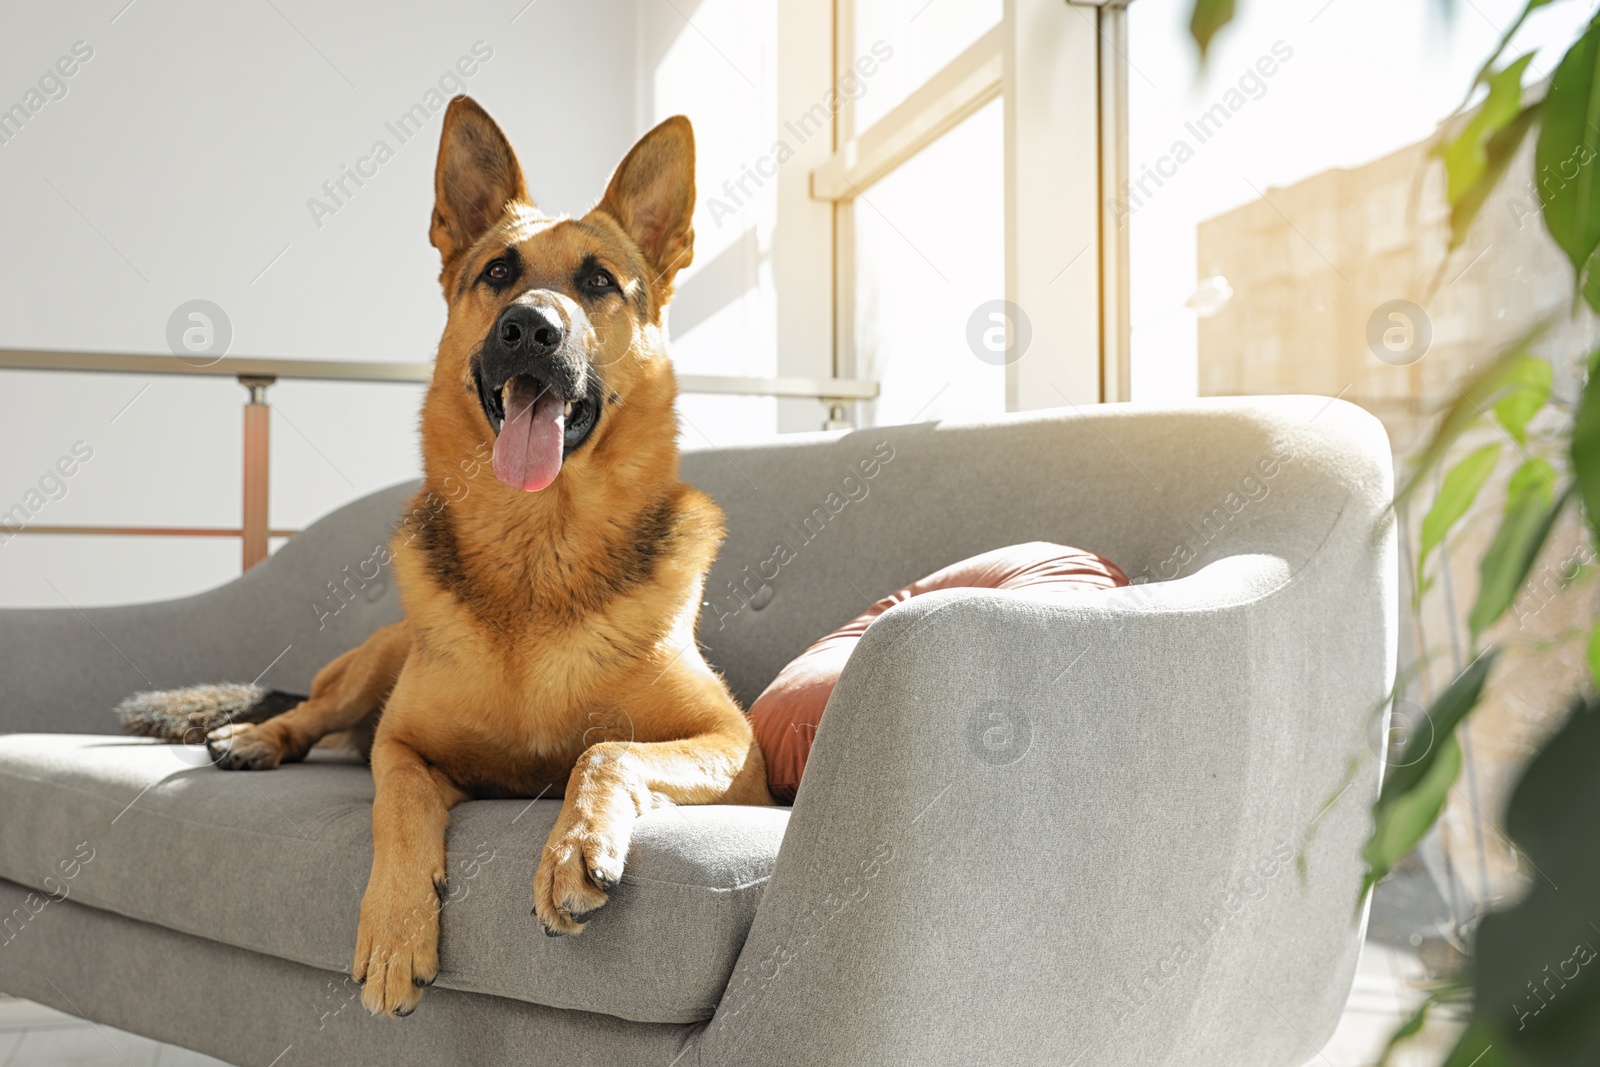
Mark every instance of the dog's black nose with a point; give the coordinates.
(530, 329)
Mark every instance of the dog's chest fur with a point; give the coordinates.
(525, 631)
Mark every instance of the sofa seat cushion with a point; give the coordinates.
(276, 862)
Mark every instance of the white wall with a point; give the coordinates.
(749, 304)
(178, 165)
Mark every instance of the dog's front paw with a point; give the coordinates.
(582, 860)
(397, 945)
(244, 746)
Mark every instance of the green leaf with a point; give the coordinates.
(1409, 1029)
(1586, 448)
(1589, 285)
(1569, 140)
(1594, 657)
(1501, 147)
(1453, 991)
(1499, 50)
(1536, 972)
(1466, 156)
(1528, 384)
(1499, 152)
(1443, 716)
(1415, 786)
(1206, 18)
(1533, 476)
(1479, 1048)
(1529, 517)
(1399, 824)
(1469, 406)
(1456, 493)
(1558, 793)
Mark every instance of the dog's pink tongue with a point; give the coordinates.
(527, 454)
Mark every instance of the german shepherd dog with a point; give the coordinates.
(548, 644)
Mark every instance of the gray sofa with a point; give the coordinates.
(1112, 829)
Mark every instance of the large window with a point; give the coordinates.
(966, 236)
(926, 268)
(923, 39)
(1288, 234)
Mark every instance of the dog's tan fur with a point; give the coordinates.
(548, 641)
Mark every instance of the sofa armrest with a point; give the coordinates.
(1094, 830)
(62, 670)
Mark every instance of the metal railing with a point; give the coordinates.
(257, 375)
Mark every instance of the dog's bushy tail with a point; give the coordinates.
(185, 716)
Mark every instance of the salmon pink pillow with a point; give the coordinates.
(786, 715)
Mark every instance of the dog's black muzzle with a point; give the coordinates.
(530, 338)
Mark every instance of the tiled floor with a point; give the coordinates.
(35, 1036)
(32, 1035)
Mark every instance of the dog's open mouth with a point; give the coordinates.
(535, 429)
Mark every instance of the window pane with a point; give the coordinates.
(918, 37)
(1289, 233)
(1297, 95)
(929, 254)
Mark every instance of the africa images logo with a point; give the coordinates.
(51, 86)
(849, 86)
(1251, 85)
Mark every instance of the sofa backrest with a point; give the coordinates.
(819, 526)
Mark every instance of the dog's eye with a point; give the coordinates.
(600, 278)
(497, 271)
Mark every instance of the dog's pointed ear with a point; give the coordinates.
(476, 176)
(652, 197)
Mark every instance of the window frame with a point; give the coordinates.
(1061, 68)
